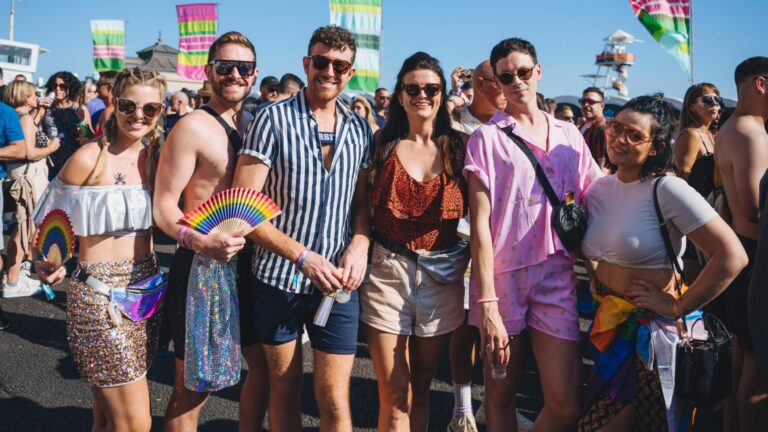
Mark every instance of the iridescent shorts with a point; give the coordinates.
(108, 355)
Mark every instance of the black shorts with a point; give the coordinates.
(176, 298)
(735, 299)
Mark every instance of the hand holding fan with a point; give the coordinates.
(230, 211)
(55, 239)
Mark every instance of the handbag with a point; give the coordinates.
(568, 218)
(702, 367)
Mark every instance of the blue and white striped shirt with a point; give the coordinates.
(316, 203)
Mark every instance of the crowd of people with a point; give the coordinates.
(385, 201)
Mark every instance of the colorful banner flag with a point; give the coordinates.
(363, 19)
(197, 32)
(669, 22)
(108, 45)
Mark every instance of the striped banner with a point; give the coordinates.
(669, 22)
(108, 45)
(363, 19)
(197, 32)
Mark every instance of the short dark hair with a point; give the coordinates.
(594, 90)
(108, 77)
(466, 85)
(333, 36)
(562, 107)
(508, 46)
(750, 67)
(541, 102)
(381, 89)
(287, 79)
(231, 37)
(663, 125)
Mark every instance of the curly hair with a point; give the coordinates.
(125, 79)
(71, 81)
(663, 126)
(688, 118)
(335, 37)
(449, 141)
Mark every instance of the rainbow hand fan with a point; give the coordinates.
(55, 239)
(230, 211)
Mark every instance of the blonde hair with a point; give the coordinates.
(368, 110)
(17, 92)
(125, 79)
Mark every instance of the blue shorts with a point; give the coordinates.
(280, 317)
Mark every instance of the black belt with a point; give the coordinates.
(394, 247)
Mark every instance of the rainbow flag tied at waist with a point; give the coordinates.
(669, 22)
(363, 19)
(108, 45)
(197, 32)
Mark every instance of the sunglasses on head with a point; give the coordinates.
(224, 67)
(524, 73)
(128, 107)
(634, 136)
(711, 100)
(431, 90)
(585, 101)
(339, 66)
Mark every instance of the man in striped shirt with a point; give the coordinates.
(310, 154)
(592, 105)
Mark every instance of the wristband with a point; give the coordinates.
(188, 236)
(299, 263)
(487, 300)
(181, 236)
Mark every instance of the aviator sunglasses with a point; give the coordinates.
(524, 73)
(127, 107)
(224, 67)
(431, 90)
(339, 66)
(711, 100)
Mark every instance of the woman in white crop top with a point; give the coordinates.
(104, 188)
(632, 267)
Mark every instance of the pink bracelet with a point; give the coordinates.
(487, 300)
(301, 258)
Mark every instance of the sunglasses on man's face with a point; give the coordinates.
(524, 73)
(711, 100)
(586, 101)
(431, 90)
(339, 66)
(224, 67)
(128, 107)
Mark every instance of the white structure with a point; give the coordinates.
(19, 58)
(614, 62)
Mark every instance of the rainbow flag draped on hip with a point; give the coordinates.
(197, 31)
(669, 22)
(363, 19)
(108, 45)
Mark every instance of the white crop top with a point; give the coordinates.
(122, 210)
(623, 228)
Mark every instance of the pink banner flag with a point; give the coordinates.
(197, 31)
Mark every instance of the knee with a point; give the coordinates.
(132, 422)
(333, 405)
(396, 395)
(567, 413)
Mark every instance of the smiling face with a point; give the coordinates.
(420, 104)
(233, 87)
(592, 105)
(136, 125)
(630, 139)
(60, 89)
(326, 83)
(519, 92)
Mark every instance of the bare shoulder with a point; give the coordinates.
(193, 132)
(80, 164)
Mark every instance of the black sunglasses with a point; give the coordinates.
(524, 73)
(149, 110)
(224, 67)
(431, 90)
(339, 66)
(712, 100)
(585, 101)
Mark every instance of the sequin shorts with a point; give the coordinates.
(108, 355)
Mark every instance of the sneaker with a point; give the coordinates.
(26, 268)
(465, 423)
(22, 289)
(29, 281)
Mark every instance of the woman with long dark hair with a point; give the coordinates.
(62, 119)
(413, 298)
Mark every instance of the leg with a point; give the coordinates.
(332, 374)
(185, 405)
(284, 366)
(255, 393)
(559, 366)
(125, 407)
(99, 418)
(752, 396)
(501, 394)
(15, 256)
(389, 354)
(730, 408)
(425, 357)
(462, 353)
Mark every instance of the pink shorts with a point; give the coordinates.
(542, 296)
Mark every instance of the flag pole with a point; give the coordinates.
(690, 38)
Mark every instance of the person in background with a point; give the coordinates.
(551, 105)
(468, 91)
(20, 77)
(268, 89)
(592, 104)
(541, 102)
(695, 145)
(180, 107)
(93, 103)
(84, 127)
(289, 86)
(381, 100)
(104, 89)
(565, 113)
(30, 178)
(362, 107)
(62, 117)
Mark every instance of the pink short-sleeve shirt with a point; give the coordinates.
(521, 230)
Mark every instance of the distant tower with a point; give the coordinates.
(614, 62)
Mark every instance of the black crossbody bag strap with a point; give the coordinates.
(234, 138)
(668, 245)
(553, 199)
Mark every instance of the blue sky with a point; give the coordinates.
(567, 35)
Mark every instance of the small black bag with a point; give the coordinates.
(702, 367)
(568, 218)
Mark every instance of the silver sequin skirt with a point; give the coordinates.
(108, 355)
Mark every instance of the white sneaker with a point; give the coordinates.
(22, 289)
(29, 281)
(465, 423)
